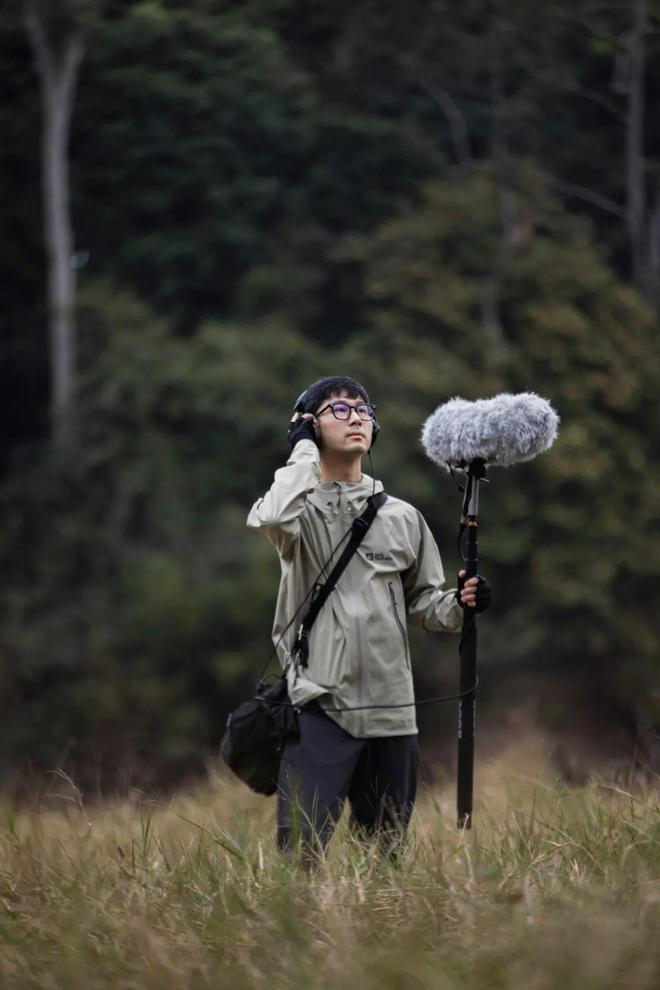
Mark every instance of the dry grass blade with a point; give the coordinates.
(552, 888)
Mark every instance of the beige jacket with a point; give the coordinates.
(358, 646)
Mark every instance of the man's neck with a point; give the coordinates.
(340, 470)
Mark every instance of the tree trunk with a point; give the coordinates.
(635, 178)
(58, 76)
(653, 249)
(492, 292)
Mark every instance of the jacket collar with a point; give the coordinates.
(332, 495)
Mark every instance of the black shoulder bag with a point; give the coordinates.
(256, 732)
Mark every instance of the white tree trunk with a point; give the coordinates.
(58, 76)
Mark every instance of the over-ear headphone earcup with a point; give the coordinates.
(300, 408)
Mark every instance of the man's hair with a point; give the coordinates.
(332, 385)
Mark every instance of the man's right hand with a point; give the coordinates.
(303, 427)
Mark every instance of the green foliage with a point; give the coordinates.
(188, 124)
(209, 175)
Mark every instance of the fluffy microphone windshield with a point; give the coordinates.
(503, 430)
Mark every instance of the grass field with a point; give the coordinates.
(553, 888)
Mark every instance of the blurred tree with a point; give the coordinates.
(213, 179)
(220, 151)
(643, 222)
(569, 85)
(57, 31)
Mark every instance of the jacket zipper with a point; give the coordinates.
(398, 620)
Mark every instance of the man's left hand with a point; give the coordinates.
(474, 593)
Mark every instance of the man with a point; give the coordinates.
(358, 732)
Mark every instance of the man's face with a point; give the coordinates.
(352, 436)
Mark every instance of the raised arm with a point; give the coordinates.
(277, 514)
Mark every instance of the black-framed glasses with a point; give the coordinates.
(343, 410)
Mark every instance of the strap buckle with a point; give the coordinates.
(301, 644)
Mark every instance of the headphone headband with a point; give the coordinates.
(300, 402)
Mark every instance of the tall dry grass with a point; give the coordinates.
(553, 888)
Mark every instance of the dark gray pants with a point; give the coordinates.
(326, 765)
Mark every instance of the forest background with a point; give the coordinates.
(438, 199)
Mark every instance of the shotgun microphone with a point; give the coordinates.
(504, 430)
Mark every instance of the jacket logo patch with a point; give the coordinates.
(378, 556)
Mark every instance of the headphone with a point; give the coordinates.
(301, 403)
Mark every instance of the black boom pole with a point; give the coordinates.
(467, 705)
(466, 436)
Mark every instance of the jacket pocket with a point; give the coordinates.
(398, 620)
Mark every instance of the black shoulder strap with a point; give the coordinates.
(322, 591)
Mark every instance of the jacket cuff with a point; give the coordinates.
(304, 450)
(456, 614)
